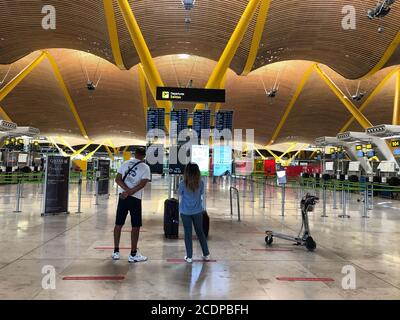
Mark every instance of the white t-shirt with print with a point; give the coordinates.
(140, 172)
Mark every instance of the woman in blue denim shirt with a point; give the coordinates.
(191, 192)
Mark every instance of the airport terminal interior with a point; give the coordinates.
(290, 109)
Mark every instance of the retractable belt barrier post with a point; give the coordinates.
(79, 193)
(334, 196)
(283, 199)
(97, 191)
(264, 191)
(237, 199)
(17, 209)
(366, 201)
(252, 189)
(344, 203)
(324, 200)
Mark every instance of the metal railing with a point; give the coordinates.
(231, 189)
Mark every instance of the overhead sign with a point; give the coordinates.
(56, 185)
(190, 94)
(395, 143)
(368, 146)
(359, 147)
(104, 170)
(200, 154)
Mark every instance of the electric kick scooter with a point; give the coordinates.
(307, 205)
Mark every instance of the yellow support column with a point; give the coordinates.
(295, 155)
(291, 104)
(109, 152)
(386, 56)
(143, 92)
(277, 159)
(113, 33)
(63, 141)
(64, 88)
(362, 120)
(396, 107)
(21, 76)
(260, 154)
(258, 31)
(288, 150)
(4, 115)
(221, 86)
(370, 97)
(231, 48)
(78, 152)
(312, 154)
(149, 67)
(89, 155)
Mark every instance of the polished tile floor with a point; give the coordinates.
(80, 245)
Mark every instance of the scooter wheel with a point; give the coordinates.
(269, 240)
(310, 244)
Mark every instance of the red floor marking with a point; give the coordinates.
(94, 278)
(194, 260)
(111, 248)
(305, 279)
(272, 249)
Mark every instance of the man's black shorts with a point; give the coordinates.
(134, 206)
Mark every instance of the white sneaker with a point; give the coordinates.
(188, 260)
(116, 256)
(137, 258)
(206, 258)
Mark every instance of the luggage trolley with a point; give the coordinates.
(307, 205)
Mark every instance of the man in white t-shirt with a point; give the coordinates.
(132, 177)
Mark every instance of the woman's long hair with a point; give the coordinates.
(191, 177)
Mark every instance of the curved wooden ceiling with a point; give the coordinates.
(114, 110)
(295, 30)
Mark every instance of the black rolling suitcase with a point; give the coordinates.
(171, 218)
(206, 223)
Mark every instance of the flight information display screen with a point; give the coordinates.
(201, 120)
(222, 160)
(177, 162)
(224, 120)
(178, 121)
(200, 155)
(155, 119)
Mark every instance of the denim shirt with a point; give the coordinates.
(190, 202)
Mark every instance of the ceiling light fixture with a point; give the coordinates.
(183, 56)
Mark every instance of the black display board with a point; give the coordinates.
(224, 120)
(201, 120)
(175, 166)
(155, 158)
(155, 119)
(180, 117)
(190, 94)
(104, 176)
(56, 185)
(90, 166)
